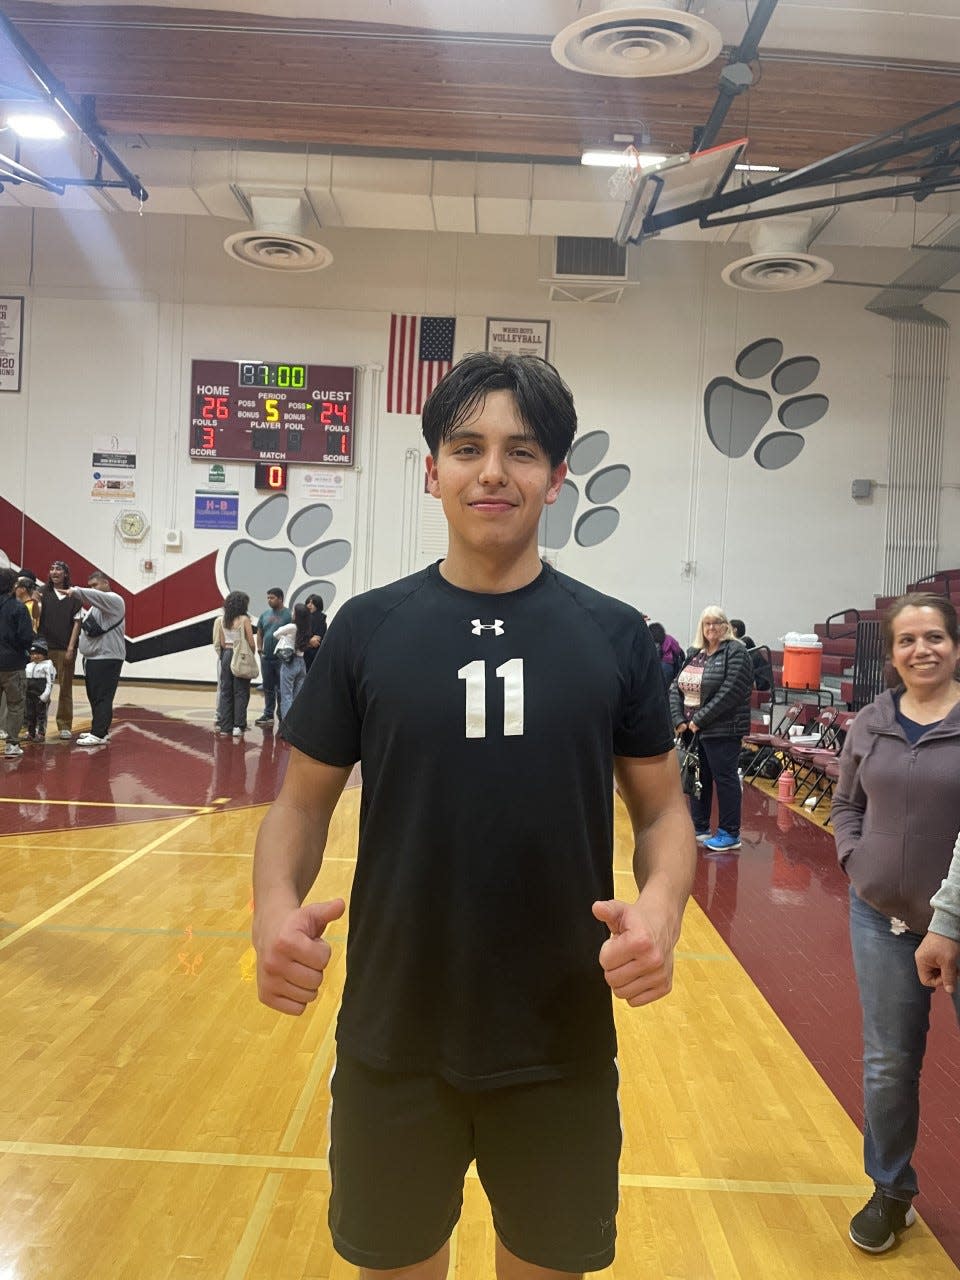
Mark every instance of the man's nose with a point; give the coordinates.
(493, 470)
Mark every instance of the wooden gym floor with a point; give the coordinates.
(158, 1122)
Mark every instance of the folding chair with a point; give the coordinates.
(824, 768)
(803, 756)
(769, 745)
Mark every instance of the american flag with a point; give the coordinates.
(421, 352)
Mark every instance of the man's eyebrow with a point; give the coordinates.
(464, 433)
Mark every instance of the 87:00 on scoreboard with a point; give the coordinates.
(261, 411)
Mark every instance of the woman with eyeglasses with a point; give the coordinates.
(710, 706)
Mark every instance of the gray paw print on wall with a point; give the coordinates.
(271, 561)
(736, 414)
(602, 485)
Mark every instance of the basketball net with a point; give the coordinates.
(624, 178)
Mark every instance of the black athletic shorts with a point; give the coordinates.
(546, 1154)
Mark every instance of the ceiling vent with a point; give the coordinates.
(658, 38)
(780, 260)
(278, 240)
(584, 269)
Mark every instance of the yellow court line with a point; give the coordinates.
(138, 1155)
(99, 804)
(248, 1242)
(96, 882)
(280, 1164)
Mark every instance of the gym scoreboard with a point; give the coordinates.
(266, 411)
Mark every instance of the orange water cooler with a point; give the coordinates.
(802, 661)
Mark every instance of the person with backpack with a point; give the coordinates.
(669, 652)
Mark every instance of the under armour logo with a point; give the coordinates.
(496, 626)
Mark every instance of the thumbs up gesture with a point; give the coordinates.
(292, 955)
(637, 958)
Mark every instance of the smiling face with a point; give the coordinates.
(922, 650)
(494, 480)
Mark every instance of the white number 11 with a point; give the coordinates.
(474, 675)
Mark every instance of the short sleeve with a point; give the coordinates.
(325, 721)
(644, 728)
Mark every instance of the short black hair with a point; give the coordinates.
(657, 631)
(7, 579)
(275, 591)
(544, 401)
(739, 627)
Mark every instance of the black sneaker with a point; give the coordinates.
(875, 1227)
(264, 720)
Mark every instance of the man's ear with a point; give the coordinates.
(557, 476)
(433, 480)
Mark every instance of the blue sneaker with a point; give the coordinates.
(722, 842)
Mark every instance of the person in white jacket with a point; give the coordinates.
(938, 953)
(292, 639)
(103, 649)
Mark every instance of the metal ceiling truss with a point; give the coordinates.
(83, 118)
(933, 154)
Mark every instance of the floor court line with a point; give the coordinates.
(285, 1163)
(130, 929)
(104, 804)
(709, 956)
(95, 883)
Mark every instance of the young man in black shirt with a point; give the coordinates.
(489, 700)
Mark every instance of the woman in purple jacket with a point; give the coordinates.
(896, 813)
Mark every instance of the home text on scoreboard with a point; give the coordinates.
(272, 411)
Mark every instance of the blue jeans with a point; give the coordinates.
(896, 1017)
(270, 673)
(292, 676)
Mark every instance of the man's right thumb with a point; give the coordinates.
(320, 914)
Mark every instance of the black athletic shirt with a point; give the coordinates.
(486, 727)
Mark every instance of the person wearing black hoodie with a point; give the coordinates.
(16, 636)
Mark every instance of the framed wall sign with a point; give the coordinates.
(11, 343)
(519, 338)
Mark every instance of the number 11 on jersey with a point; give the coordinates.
(474, 676)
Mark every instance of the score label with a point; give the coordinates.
(259, 411)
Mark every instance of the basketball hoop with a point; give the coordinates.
(679, 181)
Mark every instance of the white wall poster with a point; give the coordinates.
(11, 343)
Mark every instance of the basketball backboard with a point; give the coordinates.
(668, 184)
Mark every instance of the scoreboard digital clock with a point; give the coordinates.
(266, 411)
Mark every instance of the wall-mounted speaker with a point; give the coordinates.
(173, 538)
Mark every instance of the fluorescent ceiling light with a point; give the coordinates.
(757, 168)
(31, 125)
(609, 159)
